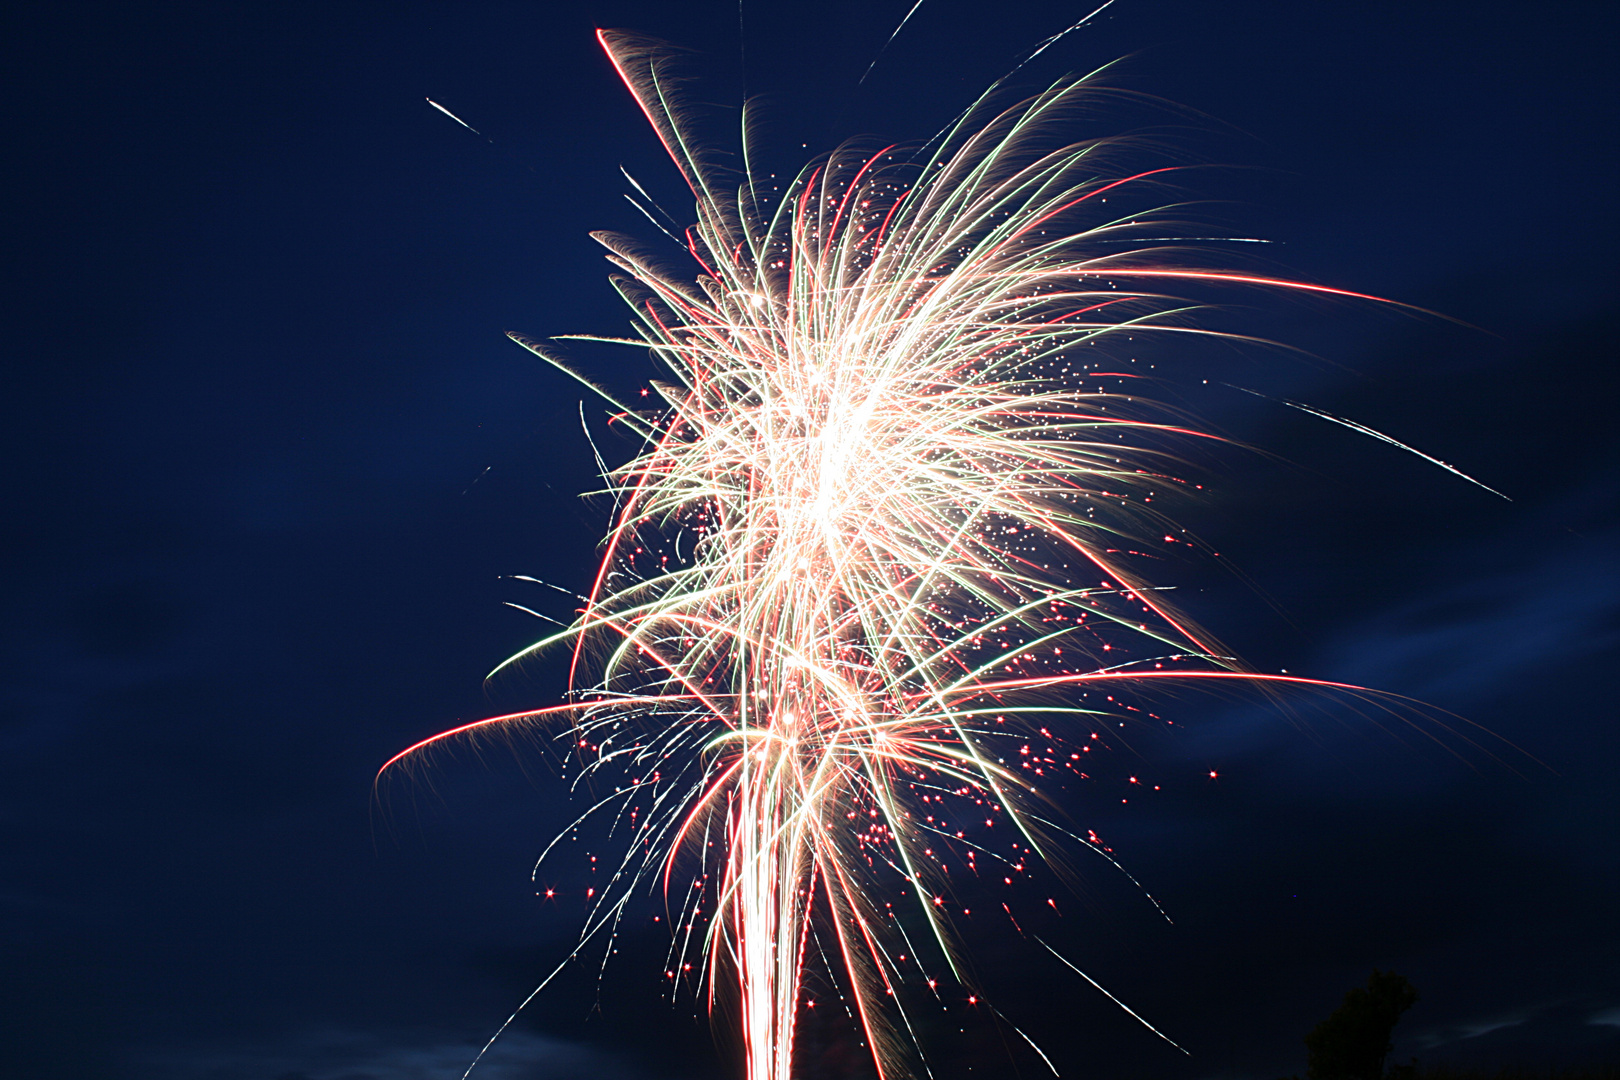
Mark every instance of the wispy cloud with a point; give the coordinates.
(352, 1055)
(1555, 1034)
(1471, 639)
(1469, 1029)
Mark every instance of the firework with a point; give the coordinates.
(872, 559)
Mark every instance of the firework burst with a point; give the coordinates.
(872, 560)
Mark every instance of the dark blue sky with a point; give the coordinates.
(268, 453)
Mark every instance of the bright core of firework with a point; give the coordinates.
(874, 547)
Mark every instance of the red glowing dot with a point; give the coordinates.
(1213, 774)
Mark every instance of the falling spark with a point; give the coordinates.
(457, 119)
(901, 25)
(1054, 39)
(1363, 429)
(1070, 965)
(871, 573)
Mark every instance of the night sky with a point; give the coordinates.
(269, 455)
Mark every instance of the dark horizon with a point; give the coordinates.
(274, 464)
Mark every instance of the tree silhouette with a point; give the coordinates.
(1353, 1043)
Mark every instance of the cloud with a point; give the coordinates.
(1476, 637)
(1558, 1035)
(353, 1055)
(1470, 1029)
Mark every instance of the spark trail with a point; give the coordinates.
(457, 119)
(877, 552)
